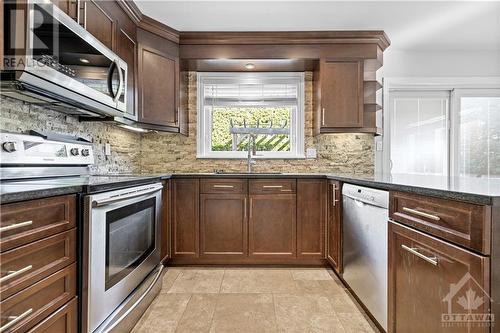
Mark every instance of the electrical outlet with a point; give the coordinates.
(107, 149)
(380, 146)
(311, 153)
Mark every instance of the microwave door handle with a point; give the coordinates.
(121, 82)
(107, 201)
(110, 80)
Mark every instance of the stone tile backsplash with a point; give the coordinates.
(165, 152)
(19, 117)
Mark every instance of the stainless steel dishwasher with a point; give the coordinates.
(365, 222)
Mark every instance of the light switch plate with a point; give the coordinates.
(311, 153)
(380, 146)
(107, 149)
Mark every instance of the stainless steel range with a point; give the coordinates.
(120, 271)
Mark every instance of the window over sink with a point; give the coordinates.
(234, 106)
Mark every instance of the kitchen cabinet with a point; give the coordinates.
(159, 81)
(429, 279)
(70, 7)
(311, 218)
(338, 86)
(334, 227)
(185, 217)
(165, 252)
(272, 225)
(97, 19)
(223, 225)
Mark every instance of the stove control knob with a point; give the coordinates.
(9, 146)
(85, 152)
(74, 151)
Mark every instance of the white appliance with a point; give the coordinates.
(365, 227)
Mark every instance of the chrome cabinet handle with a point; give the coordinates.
(334, 195)
(272, 186)
(245, 208)
(419, 213)
(250, 209)
(433, 260)
(223, 186)
(15, 226)
(323, 116)
(12, 274)
(15, 319)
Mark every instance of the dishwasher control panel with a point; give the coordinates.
(367, 195)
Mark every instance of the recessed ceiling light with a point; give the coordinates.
(249, 66)
(85, 61)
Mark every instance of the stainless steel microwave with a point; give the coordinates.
(50, 59)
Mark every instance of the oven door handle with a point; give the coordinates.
(107, 201)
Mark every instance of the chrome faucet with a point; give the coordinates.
(251, 152)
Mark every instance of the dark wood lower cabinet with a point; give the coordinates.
(272, 225)
(185, 218)
(63, 320)
(334, 228)
(434, 285)
(223, 225)
(311, 212)
(166, 248)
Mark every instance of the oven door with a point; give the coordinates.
(123, 247)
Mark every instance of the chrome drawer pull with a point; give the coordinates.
(12, 274)
(417, 212)
(432, 260)
(272, 186)
(15, 226)
(16, 319)
(223, 186)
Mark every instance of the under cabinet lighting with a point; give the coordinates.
(135, 129)
(249, 66)
(85, 61)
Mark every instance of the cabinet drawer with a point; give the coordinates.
(238, 186)
(63, 320)
(266, 186)
(431, 278)
(28, 221)
(30, 306)
(28, 264)
(462, 223)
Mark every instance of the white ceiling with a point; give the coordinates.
(432, 25)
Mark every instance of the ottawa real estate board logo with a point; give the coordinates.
(467, 305)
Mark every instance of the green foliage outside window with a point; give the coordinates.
(222, 139)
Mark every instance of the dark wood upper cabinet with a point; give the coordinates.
(429, 278)
(339, 95)
(185, 217)
(70, 7)
(272, 225)
(334, 227)
(223, 225)
(311, 216)
(159, 81)
(99, 21)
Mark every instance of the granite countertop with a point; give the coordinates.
(475, 190)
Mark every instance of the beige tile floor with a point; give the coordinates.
(253, 300)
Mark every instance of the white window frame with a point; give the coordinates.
(297, 124)
(457, 86)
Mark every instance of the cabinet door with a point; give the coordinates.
(272, 225)
(334, 228)
(70, 7)
(430, 281)
(223, 225)
(98, 21)
(166, 253)
(311, 213)
(158, 81)
(185, 221)
(126, 49)
(341, 94)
